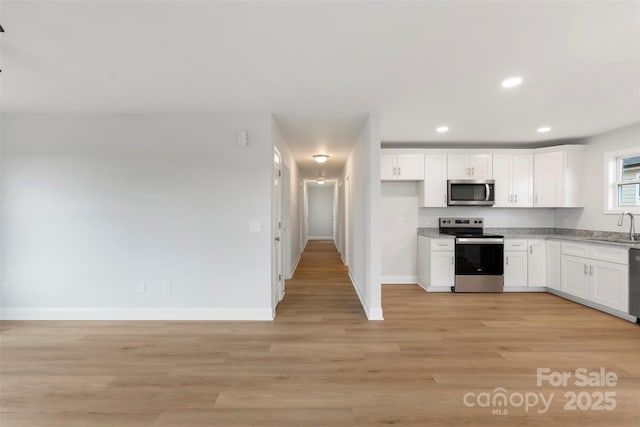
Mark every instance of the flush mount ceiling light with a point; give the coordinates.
(320, 181)
(512, 82)
(442, 129)
(543, 129)
(321, 158)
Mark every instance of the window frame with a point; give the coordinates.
(612, 181)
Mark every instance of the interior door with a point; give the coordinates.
(277, 279)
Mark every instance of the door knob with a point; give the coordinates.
(277, 239)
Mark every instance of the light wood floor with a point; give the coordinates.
(320, 362)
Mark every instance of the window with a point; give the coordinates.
(622, 169)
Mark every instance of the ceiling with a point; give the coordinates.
(320, 67)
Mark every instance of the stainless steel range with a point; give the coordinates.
(479, 260)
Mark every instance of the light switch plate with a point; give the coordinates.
(255, 226)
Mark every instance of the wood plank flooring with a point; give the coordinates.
(321, 362)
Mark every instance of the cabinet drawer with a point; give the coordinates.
(515, 245)
(575, 249)
(608, 253)
(442, 244)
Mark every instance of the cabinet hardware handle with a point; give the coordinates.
(507, 259)
(531, 249)
(399, 171)
(585, 269)
(516, 197)
(473, 170)
(535, 202)
(591, 270)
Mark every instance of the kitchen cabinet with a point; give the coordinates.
(515, 263)
(537, 263)
(596, 273)
(552, 264)
(470, 166)
(559, 178)
(575, 279)
(432, 191)
(513, 174)
(401, 167)
(436, 270)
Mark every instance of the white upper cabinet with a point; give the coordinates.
(433, 190)
(401, 167)
(470, 166)
(513, 174)
(559, 179)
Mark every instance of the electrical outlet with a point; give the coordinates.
(6, 287)
(142, 287)
(166, 287)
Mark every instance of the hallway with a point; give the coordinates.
(320, 289)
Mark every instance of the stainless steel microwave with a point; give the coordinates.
(470, 192)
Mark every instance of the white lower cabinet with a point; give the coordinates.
(575, 279)
(594, 277)
(436, 263)
(552, 264)
(515, 263)
(515, 269)
(537, 264)
(610, 284)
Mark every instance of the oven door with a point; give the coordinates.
(463, 192)
(479, 265)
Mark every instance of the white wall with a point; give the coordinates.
(399, 232)
(361, 175)
(320, 200)
(95, 206)
(592, 217)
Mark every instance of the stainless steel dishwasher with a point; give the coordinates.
(634, 283)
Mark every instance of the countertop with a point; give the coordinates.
(582, 236)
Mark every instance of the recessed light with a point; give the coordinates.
(320, 181)
(544, 129)
(442, 129)
(512, 82)
(321, 158)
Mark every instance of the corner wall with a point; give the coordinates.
(592, 217)
(361, 176)
(136, 217)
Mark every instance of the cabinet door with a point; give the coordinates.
(521, 179)
(610, 284)
(552, 264)
(575, 276)
(502, 176)
(457, 167)
(548, 179)
(387, 167)
(410, 167)
(515, 269)
(433, 190)
(481, 166)
(537, 275)
(442, 270)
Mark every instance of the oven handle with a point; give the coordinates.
(478, 241)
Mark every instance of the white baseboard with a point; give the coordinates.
(150, 313)
(524, 289)
(399, 280)
(295, 265)
(375, 313)
(319, 237)
(439, 289)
